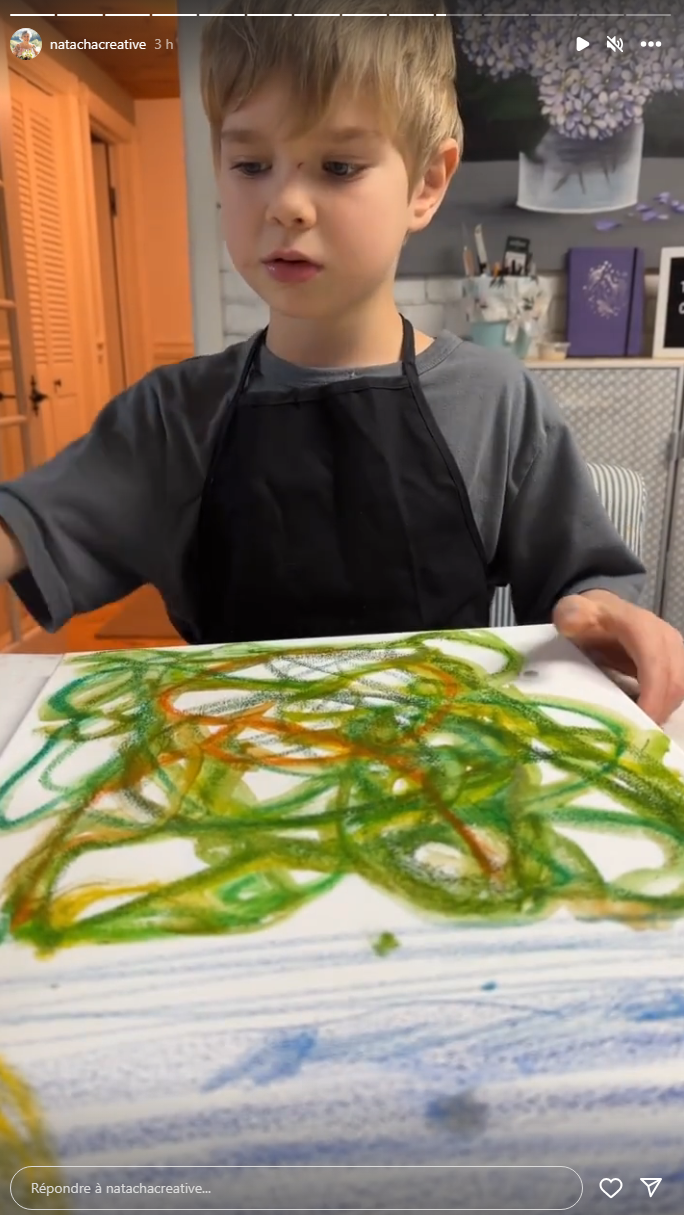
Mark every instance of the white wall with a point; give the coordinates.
(430, 304)
(202, 199)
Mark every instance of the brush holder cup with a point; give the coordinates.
(506, 312)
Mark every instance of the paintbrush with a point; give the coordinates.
(468, 259)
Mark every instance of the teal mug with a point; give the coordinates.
(493, 334)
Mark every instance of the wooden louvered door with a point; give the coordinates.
(19, 425)
(39, 133)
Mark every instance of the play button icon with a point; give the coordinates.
(581, 44)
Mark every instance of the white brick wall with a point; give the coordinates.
(430, 304)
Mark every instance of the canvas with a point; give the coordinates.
(354, 912)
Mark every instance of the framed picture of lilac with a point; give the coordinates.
(566, 147)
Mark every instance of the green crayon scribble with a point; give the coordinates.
(385, 944)
(286, 768)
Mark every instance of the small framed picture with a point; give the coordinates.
(668, 335)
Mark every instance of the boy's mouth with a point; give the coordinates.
(288, 266)
(288, 255)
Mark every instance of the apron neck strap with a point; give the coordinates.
(408, 344)
(407, 356)
(257, 342)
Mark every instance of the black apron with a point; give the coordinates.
(335, 510)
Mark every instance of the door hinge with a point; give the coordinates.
(675, 447)
(112, 201)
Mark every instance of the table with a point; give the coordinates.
(23, 677)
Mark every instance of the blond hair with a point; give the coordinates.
(406, 63)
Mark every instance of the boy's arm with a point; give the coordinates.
(568, 564)
(557, 539)
(100, 519)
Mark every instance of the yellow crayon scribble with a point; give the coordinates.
(24, 1141)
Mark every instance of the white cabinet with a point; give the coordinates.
(629, 412)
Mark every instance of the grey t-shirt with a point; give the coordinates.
(119, 507)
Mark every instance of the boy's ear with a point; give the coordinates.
(429, 193)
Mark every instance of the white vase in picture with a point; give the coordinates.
(582, 175)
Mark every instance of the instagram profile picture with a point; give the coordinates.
(26, 44)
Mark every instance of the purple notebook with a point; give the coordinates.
(605, 302)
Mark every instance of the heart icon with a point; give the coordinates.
(610, 1186)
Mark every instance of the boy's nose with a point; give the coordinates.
(290, 204)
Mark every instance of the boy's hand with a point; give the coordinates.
(629, 639)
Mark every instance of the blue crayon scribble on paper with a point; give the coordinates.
(278, 1058)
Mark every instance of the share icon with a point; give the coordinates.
(651, 1184)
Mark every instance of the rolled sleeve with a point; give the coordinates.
(40, 586)
(91, 520)
(628, 586)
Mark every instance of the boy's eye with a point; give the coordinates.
(346, 169)
(338, 168)
(249, 167)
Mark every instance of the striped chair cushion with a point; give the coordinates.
(623, 494)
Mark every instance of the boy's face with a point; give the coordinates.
(338, 195)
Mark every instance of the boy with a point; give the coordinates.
(339, 474)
